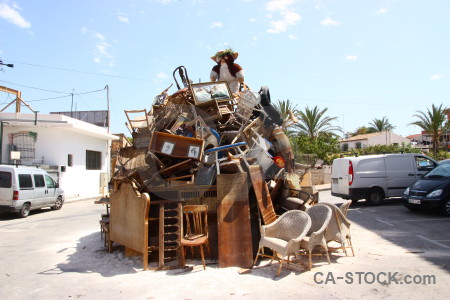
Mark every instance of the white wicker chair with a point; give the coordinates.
(338, 229)
(283, 236)
(320, 218)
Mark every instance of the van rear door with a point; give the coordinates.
(400, 174)
(6, 188)
(339, 177)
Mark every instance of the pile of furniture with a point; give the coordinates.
(201, 149)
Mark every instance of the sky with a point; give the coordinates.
(362, 60)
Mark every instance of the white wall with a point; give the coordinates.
(54, 145)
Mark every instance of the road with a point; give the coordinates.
(59, 255)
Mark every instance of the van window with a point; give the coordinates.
(5, 179)
(424, 164)
(50, 183)
(39, 180)
(25, 181)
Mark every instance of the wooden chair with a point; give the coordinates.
(196, 230)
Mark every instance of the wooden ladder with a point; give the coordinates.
(170, 231)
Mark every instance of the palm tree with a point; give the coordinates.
(285, 108)
(434, 123)
(313, 123)
(379, 125)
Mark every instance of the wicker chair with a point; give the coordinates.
(344, 207)
(320, 218)
(283, 236)
(338, 229)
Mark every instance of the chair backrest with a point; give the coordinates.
(196, 219)
(334, 226)
(344, 207)
(320, 215)
(293, 224)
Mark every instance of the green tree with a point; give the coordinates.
(286, 108)
(434, 122)
(313, 123)
(379, 125)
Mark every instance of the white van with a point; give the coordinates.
(375, 177)
(24, 188)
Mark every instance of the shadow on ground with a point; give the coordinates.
(424, 233)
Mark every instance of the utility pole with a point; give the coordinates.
(107, 105)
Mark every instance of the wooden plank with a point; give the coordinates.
(262, 194)
(233, 221)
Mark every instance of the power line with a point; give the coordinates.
(86, 72)
(351, 102)
(32, 87)
(69, 95)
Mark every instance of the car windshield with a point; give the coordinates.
(439, 172)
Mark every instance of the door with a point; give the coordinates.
(423, 165)
(400, 173)
(51, 190)
(40, 190)
(6, 188)
(339, 176)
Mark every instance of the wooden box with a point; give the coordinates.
(176, 146)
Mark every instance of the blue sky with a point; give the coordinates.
(360, 59)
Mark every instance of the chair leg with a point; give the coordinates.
(183, 258)
(256, 258)
(203, 257)
(349, 238)
(326, 251)
(279, 268)
(310, 260)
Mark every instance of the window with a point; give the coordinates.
(50, 183)
(25, 182)
(424, 164)
(358, 145)
(93, 160)
(5, 179)
(39, 180)
(69, 160)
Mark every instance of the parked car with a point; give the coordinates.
(24, 188)
(376, 177)
(444, 161)
(430, 191)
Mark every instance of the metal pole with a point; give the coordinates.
(107, 105)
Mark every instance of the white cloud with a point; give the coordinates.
(351, 57)
(216, 25)
(330, 22)
(279, 5)
(99, 36)
(123, 19)
(252, 20)
(293, 37)
(287, 16)
(165, 1)
(436, 76)
(12, 15)
(381, 11)
(162, 75)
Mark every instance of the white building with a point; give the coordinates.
(75, 153)
(372, 139)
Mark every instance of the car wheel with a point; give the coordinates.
(58, 204)
(375, 197)
(24, 210)
(446, 207)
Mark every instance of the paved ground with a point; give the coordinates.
(59, 255)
